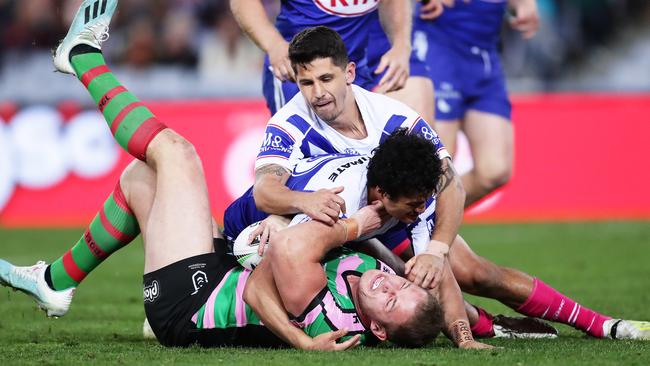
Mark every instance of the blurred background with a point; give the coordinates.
(189, 59)
(194, 49)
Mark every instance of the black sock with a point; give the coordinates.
(83, 48)
(48, 278)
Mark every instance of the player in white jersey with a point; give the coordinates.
(333, 116)
(401, 175)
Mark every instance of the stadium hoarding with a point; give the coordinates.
(577, 157)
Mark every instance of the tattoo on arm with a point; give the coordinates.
(272, 169)
(461, 332)
(447, 176)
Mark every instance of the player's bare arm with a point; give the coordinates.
(395, 17)
(254, 21)
(457, 326)
(424, 269)
(295, 254)
(274, 197)
(262, 296)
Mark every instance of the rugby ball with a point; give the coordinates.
(245, 253)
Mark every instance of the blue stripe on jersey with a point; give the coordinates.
(299, 123)
(315, 144)
(393, 123)
(423, 129)
(277, 141)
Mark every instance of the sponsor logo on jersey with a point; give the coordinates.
(346, 166)
(347, 8)
(151, 292)
(199, 278)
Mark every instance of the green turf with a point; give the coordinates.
(602, 265)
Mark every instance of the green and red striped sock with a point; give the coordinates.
(131, 122)
(113, 227)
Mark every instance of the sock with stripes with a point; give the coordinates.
(131, 122)
(113, 227)
(547, 303)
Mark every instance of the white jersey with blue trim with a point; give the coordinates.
(330, 171)
(296, 132)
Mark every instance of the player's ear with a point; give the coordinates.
(350, 72)
(378, 330)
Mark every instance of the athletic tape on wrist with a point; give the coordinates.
(461, 332)
(351, 227)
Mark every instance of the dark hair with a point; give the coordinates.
(405, 165)
(317, 42)
(423, 327)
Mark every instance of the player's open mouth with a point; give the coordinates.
(378, 281)
(322, 104)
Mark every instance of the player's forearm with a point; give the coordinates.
(457, 326)
(261, 294)
(253, 20)
(395, 18)
(272, 195)
(449, 205)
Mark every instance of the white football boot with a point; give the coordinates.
(627, 329)
(31, 280)
(89, 27)
(522, 328)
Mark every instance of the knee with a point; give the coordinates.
(494, 175)
(175, 148)
(479, 278)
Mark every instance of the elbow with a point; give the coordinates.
(278, 247)
(258, 197)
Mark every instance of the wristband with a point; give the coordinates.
(461, 332)
(351, 227)
(439, 250)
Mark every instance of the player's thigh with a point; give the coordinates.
(490, 137)
(180, 222)
(470, 269)
(417, 94)
(448, 132)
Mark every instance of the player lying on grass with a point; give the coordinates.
(333, 116)
(402, 175)
(192, 294)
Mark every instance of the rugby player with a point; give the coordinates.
(460, 48)
(334, 116)
(187, 285)
(351, 20)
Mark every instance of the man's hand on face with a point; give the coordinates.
(425, 270)
(370, 218)
(279, 60)
(324, 205)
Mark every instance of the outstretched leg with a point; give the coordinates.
(178, 222)
(532, 297)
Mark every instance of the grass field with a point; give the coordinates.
(605, 266)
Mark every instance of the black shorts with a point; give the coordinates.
(173, 294)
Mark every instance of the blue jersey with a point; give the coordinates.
(460, 50)
(477, 23)
(349, 18)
